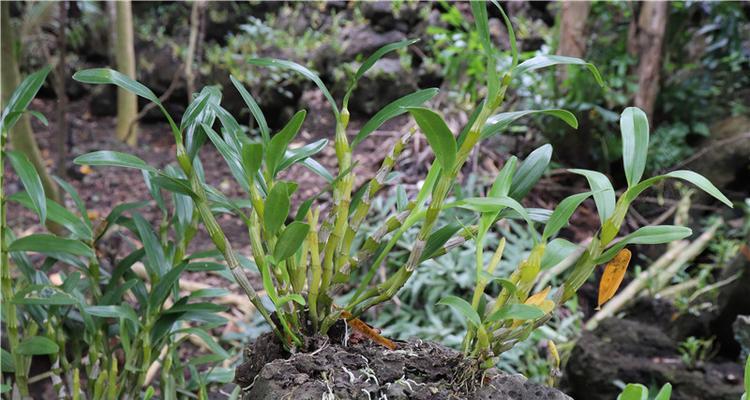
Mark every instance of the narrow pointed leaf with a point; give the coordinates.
(304, 71)
(634, 130)
(37, 346)
(702, 183)
(294, 156)
(113, 159)
(560, 217)
(372, 59)
(110, 76)
(547, 60)
(438, 135)
(463, 308)
(280, 141)
(647, 235)
(499, 122)
(665, 393)
(530, 171)
(392, 110)
(252, 157)
(31, 182)
(290, 240)
(19, 101)
(57, 214)
(277, 208)
(604, 193)
(254, 109)
(50, 244)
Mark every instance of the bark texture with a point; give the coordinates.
(127, 103)
(572, 40)
(646, 42)
(21, 136)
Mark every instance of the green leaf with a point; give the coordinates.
(702, 183)
(499, 122)
(690, 176)
(634, 391)
(371, 60)
(57, 214)
(657, 234)
(516, 311)
(6, 360)
(304, 71)
(206, 338)
(174, 185)
(277, 208)
(19, 101)
(556, 251)
(37, 346)
(121, 311)
(392, 110)
(463, 307)
(504, 179)
(252, 157)
(110, 76)
(44, 295)
(665, 393)
(157, 263)
(31, 182)
(562, 214)
(232, 157)
(634, 130)
(290, 240)
(437, 239)
(50, 244)
(76, 199)
(547, 60)
(290, 297)
(296, 155)
(530, 171)
(280, 141)
(604, 193)
(438, 135)
(160, 291)
(511, 33)
(254, 109)
(494, 205)
(114, 159)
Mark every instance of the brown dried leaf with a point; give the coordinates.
(613, 274)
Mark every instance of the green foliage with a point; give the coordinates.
(694, 350)
(636, 391)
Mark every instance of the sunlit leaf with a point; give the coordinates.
(547, 60)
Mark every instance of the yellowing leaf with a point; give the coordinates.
(613, 274)
(85, 169)
(554, 355)
(539, 300)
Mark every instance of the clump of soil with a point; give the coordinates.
(364, 370)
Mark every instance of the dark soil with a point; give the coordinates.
(364, 370)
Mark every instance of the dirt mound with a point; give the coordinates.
(416, 370)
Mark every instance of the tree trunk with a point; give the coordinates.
(21, 136)
(572, 39)
(646, 41)
(61, 136)
(127, 103)
(195, 28)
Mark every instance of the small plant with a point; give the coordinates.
(694, 351)
(636, 391)
(102, 325)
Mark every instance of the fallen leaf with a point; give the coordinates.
(612, 277)
(85, 169)
(366, 330)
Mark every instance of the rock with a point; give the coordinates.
(417, 370)
(362, 40)
(741, 328)
(634, 352)
(386, 81)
